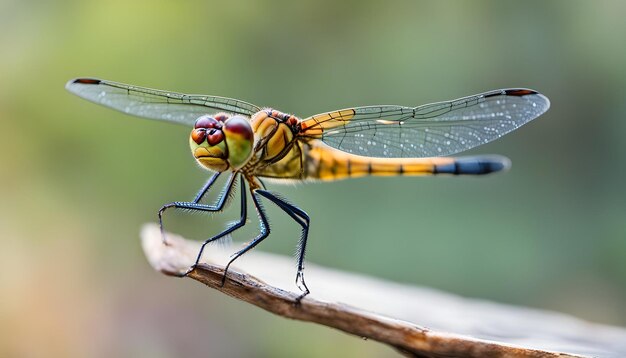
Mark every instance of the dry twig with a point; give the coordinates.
(483, 329)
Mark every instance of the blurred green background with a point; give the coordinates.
(77, 180)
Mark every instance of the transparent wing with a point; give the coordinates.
(430, 130)
(155, 104)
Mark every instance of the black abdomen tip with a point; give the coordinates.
(474, 166)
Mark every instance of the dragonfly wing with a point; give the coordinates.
(155, 104)
(430, 130)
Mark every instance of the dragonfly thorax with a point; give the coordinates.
(221, 142)
(274, 133)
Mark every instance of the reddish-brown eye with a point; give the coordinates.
(198, 135)
(221, 117)
(207, 122)
(239, 125)
(215, 136)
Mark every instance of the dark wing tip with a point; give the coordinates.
(520, 92)
(517, 92)
(87, 81)
(83, 81)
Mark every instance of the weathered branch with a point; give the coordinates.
(482, 329)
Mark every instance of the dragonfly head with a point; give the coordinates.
(220, 142)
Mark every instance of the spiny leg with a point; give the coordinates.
(262, 183)
(194, 206)
(228, 230)
(303, 220)
(206, 187)
(265, 231)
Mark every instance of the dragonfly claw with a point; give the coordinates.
(226, 273)
(161, 211)
(189, 270)
(301, 286)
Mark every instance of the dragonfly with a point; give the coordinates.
(253, 143)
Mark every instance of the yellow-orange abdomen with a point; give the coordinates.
(328, 163)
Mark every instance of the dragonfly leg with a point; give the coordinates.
(303, 220)
(228, 230)
(196, 206)
(265, 231)
(198, 197)
(262, 183)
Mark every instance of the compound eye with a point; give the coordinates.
(239, 139)
(198, 135)
(239, 126)
(208, 122)
(215, 136)
(208, 128)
